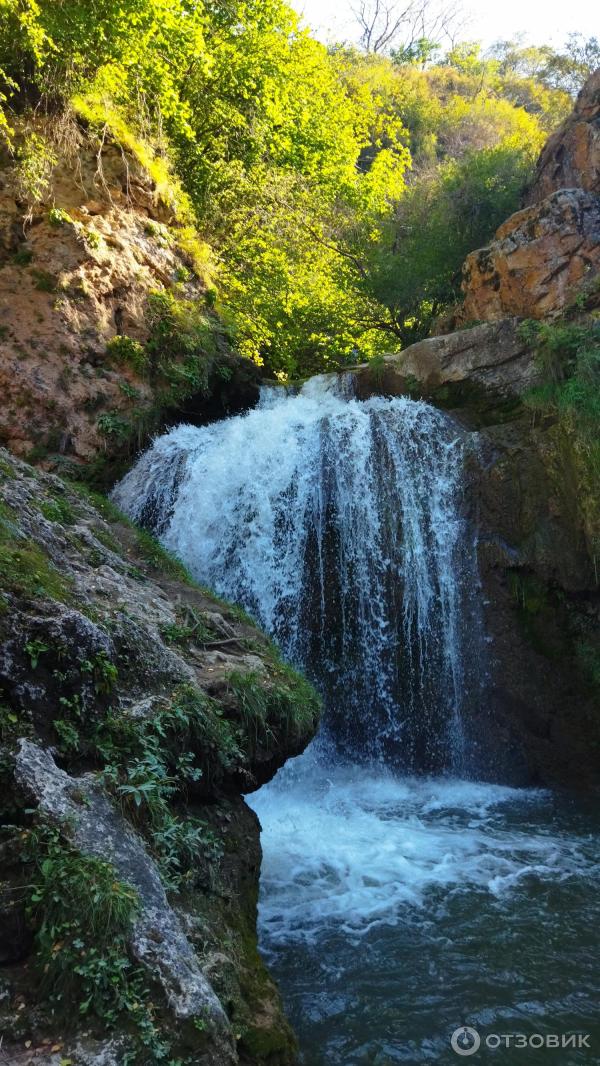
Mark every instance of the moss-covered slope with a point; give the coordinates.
(135, 709)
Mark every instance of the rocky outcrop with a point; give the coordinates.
(545, 259)
(491, 360)
(97, 828)
(80, 267)
(534, 489)
(571, 157)
(135, 709)
(541, 259)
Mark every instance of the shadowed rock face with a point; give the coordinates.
(571, 157)
(537, 721)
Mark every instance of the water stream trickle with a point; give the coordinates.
(397, 901)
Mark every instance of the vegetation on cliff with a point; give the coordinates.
(568, 354)
(326, 198)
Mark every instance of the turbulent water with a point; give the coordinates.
(339, 526)
(394, 907)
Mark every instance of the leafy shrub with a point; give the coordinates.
(36, 160)
(58, 217)
(113, 425)
(82, 914)
(124, 349)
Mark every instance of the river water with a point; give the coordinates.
(396, 909)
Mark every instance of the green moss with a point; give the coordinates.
(588, 657)
(568, 355)
(26, 570)
(57, 510)
(541, 614)
(267, 1044)
(159, 558)
(276, 709)
(107, 540)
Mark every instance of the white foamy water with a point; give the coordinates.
(339, 526)
(351, 847)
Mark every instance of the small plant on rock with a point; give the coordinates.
(124, 349)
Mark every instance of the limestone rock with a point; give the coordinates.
(571, 157)
(97, 828)
(538, 261)
(489, 357)
(101, 639)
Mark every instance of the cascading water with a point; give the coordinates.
(393, 907)
(338, 526)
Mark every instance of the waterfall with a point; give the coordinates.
(339, 525)
(342, 526)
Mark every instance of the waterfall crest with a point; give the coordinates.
(339, 526)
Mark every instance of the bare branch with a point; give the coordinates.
(387, 24)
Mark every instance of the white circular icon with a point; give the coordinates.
(465, 1041)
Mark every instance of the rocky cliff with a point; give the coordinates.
(545, 259)
(135, 710)
(107, 329)
(525, 380)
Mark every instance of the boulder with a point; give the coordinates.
(538, 261)
(488, 358)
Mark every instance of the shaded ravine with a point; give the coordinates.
(395, 907)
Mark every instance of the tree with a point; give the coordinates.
(415, 270)
(564, 71)
(412, 27)
(570, 69)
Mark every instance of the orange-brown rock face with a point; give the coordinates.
(538, 262)
(67, 285)
(571, 158)
(546, 256)
(75, 271)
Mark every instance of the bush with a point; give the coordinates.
(126, 350)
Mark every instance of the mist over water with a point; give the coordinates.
(399, 899)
